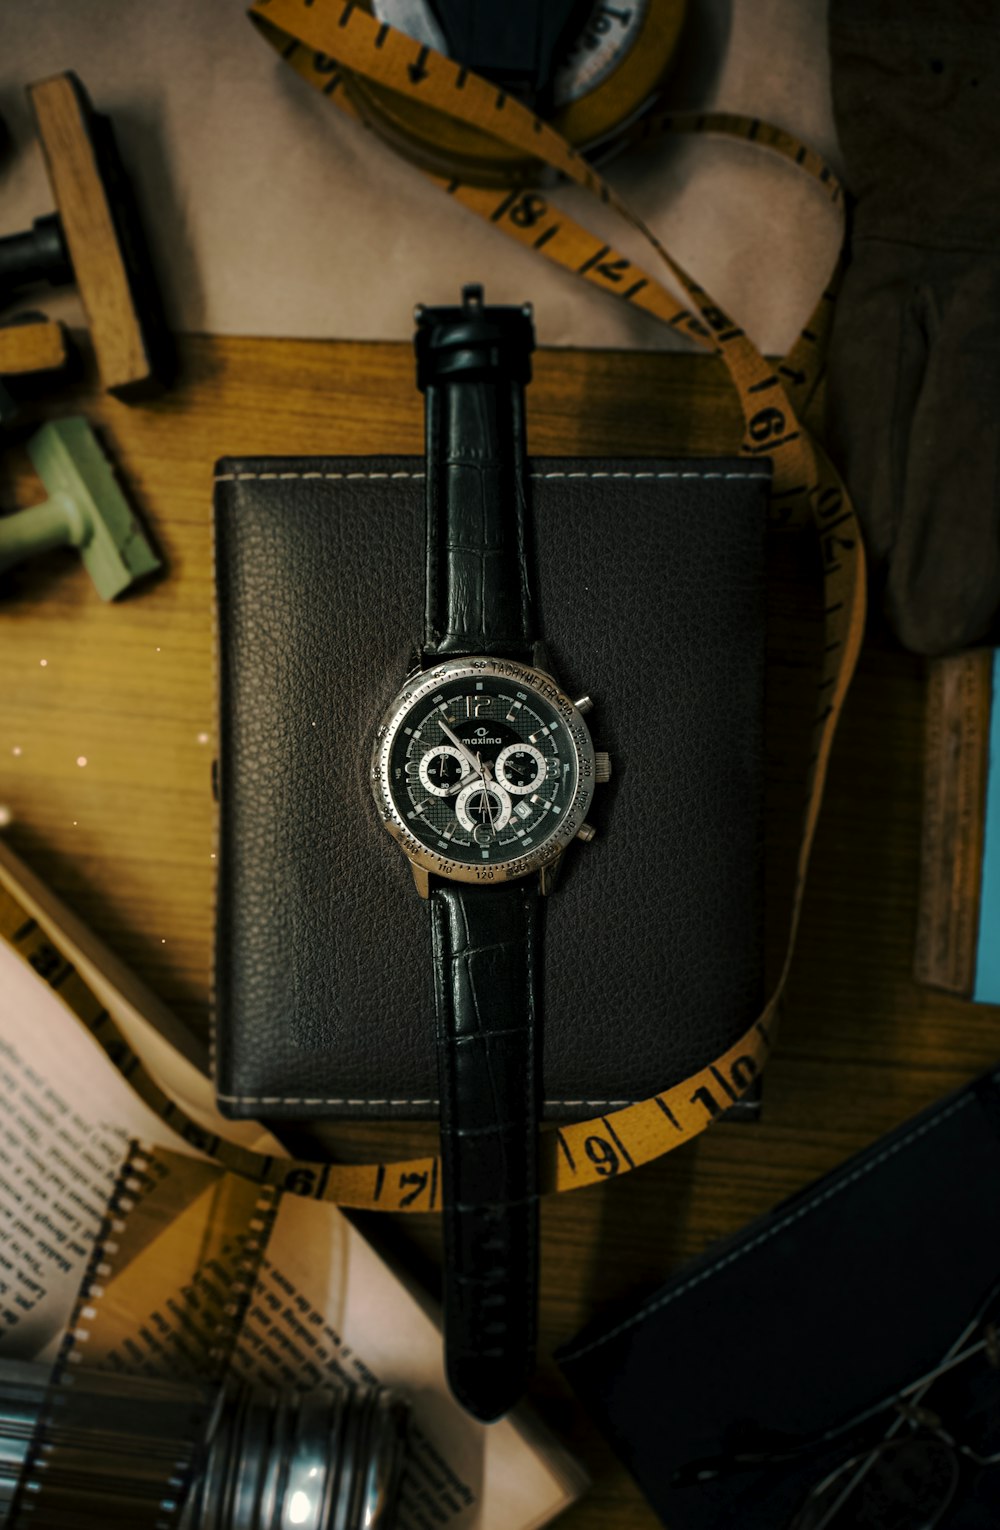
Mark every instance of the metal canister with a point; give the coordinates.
(96, 1449)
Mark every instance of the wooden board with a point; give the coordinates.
(126, 839)
(105, 244)
(35, 346)
(956, 767)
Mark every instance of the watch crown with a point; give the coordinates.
(586, 832)
(602, 766)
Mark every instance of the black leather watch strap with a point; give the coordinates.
(472, 365)
(487, 960)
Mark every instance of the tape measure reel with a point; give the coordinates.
(609, 76)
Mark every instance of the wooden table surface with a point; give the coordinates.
(106, 724)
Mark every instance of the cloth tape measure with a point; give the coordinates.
(330, 43)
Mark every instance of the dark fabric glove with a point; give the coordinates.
(913, 402)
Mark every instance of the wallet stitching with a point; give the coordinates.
(281, 1099)
(770, 1232)
(528, 907)
(244, 477)
(213, 1060)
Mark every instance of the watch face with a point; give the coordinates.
(483, 769)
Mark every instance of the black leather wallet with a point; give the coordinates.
(653, 959)
(734, 1390)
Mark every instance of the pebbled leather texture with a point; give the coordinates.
(486, 945)
(649, 581)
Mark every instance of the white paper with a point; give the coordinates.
(65, 1120)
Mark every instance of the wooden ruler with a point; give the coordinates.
(956, 770)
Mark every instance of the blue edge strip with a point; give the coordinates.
(987, 988)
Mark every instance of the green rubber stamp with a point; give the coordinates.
(85, 509)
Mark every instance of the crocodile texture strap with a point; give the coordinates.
(486, 957)
(472, 364)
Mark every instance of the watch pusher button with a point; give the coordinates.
(584, 705)
(586, 832)
(602, 767)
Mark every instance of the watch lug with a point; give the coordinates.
(421, 879)
(548, 876)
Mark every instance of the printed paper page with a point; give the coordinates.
(65, 1120)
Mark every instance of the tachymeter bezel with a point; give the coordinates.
(424, 684)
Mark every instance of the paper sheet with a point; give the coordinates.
(65, 1121)
(271, 214)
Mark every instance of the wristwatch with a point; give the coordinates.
(483, 771)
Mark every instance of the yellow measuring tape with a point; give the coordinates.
(326, 42)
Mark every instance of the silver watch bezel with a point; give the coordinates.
(424, 683)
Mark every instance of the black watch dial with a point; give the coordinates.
(482, 765)
(482, 770)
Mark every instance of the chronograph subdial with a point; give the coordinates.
(483, 808)
(520, 768)
(442, 770)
